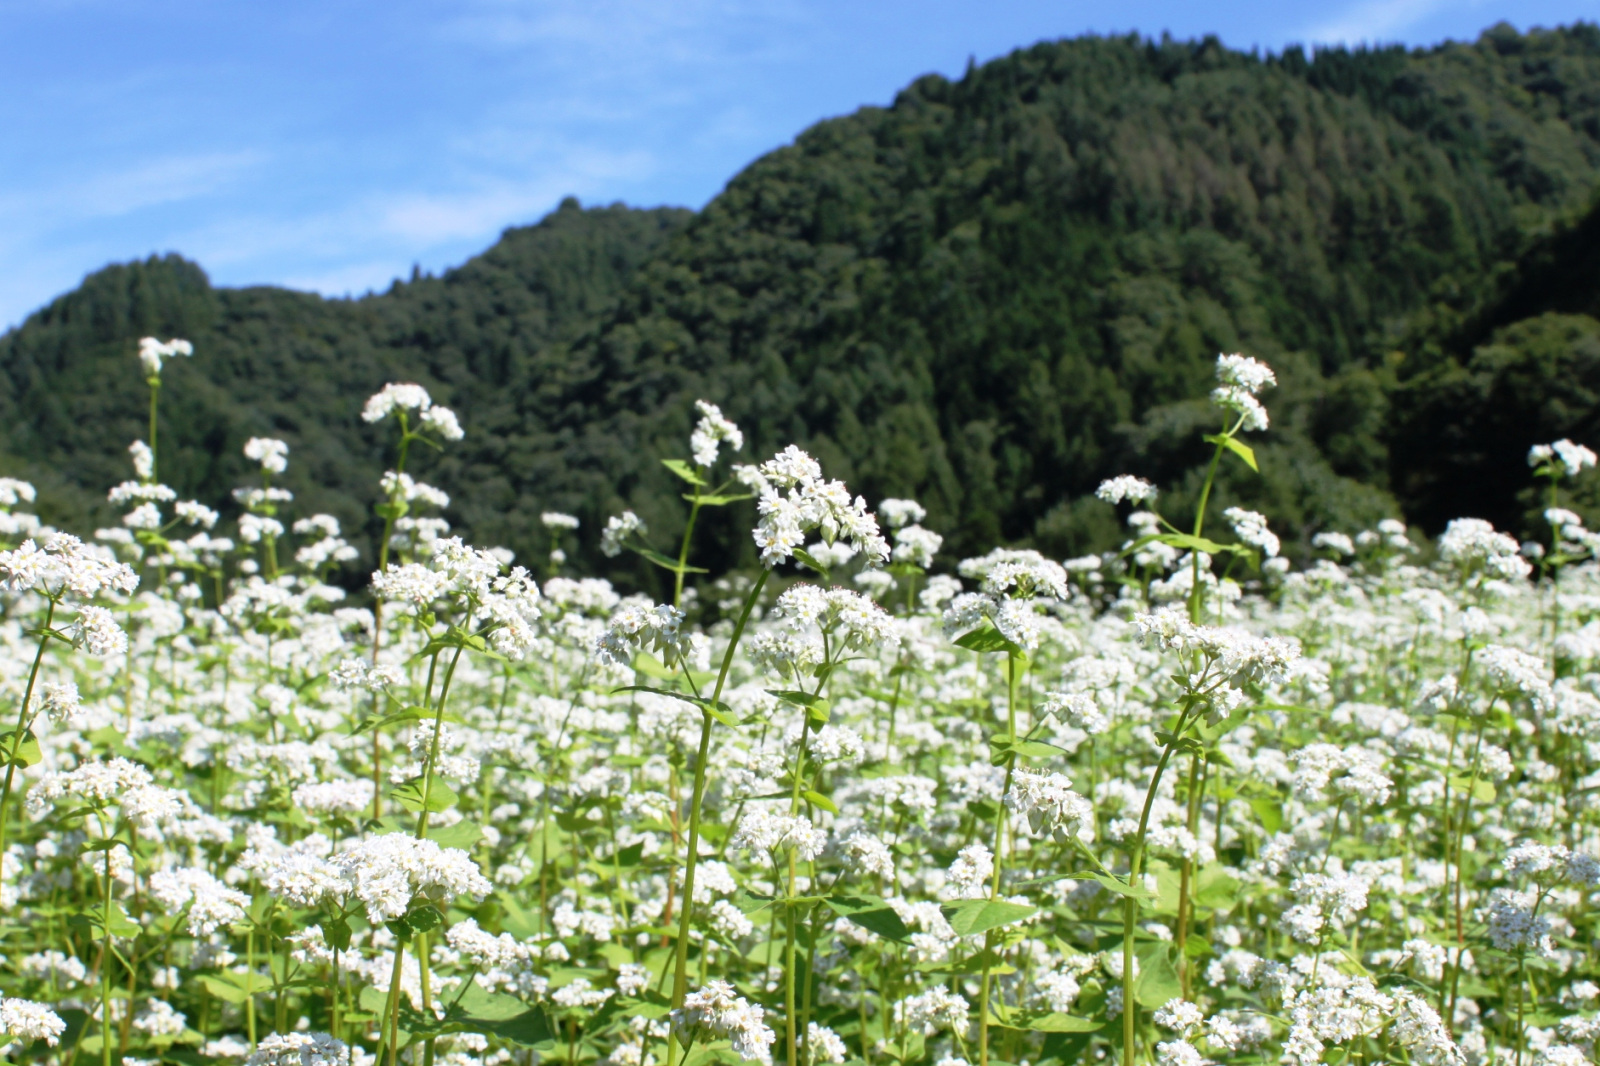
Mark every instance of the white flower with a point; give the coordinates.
(656, 630)
(714, 1011)
(1573, 458)
(153, 352)
(1126, 487)
(915, 545)
(1047, 801)
(614, 538)
(299, 1049)
(96, 631)
(144, 460)
(23, 1019)
(899, 513)
(793, 499)
(557, 520)
(272, 454)
(60, 700)
(1472, 543)
(443, 421)
(387, 873)
(710, 431)
(1243, 372)
(406, 397)
(1251, 527)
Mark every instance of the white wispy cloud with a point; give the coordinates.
(1373, 21)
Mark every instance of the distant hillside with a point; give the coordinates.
(988, 295)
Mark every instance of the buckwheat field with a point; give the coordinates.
(1183, 803)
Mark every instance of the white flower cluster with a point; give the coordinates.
(793, 499)
(1251, 527)
(657, 629)
(64, 565)
(845, 616)
(1126, 487)
(23, 1019)
(764, 832)
(715, 1012)
(1473, 544)
(299, 1049)
(389, 873)
(1564, 455)
(1242, 380)
(558, 521)
(710, 431)
(154, 352)
(619, 527)
(272, 454)
(411, 397)
(1047, 801)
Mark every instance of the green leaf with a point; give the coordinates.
(980, 915)
(648, 665)
(424, 917)
(336, 931)
(464, 835)
(720, 711)
(817, 709)
(1216, 889)
(224, 989)
(1481, 790)
(1158, 978)
(805, 558)
(21, 753)
(718, 501)
(1269, 813)
(1052, 1023)
(871, 914)
(1237, 447)
(666, 562)
(986, 638)
(817, 799)
(440, 797)
(685, 471)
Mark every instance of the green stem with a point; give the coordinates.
(680, 966)
(22, 726)
(1130, 905)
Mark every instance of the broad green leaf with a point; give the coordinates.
(225, 990)
(718, 500)
(817, 799)
(1158, 979)
(23, 752)
(1216, 889)
(648, 665)
(986, 638)
(464, 835)
(806, 559)
(666, 562)
(336, 931)
(1237, 447)
(1269, 813)
(980, 915)
(1051, 1023)
(1481, 790)
(684, 470)
(872, 914)
(440, 796)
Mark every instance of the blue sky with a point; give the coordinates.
(331, 144)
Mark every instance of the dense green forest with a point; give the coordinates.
(988, 295)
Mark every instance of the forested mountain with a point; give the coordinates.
(988, 295)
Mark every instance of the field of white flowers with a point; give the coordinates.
(1179, 804)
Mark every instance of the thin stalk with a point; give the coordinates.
(22, 725)
(680, 966)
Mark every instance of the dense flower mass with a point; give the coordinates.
(1215, 798)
